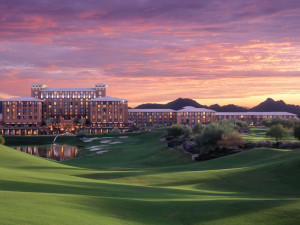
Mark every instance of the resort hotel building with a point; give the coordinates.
(64, 110)
(167, 117)
(61, 110)
(254, 117)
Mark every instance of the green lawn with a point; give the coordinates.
(259, 134)
(142, 182)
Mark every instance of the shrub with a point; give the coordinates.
(175, 142)
(82, 133)
(176, 130)
(198, 128)
(207, 141)
(133, 128)
(115, 131)
(188, 133)
(297, 132)
(231, 141)
(241, 124)
(267, 123)
(249, 145)
(2, 140)
(276, 121)
(188, 145)
(289, 145)
(266, 144)
(278, 132)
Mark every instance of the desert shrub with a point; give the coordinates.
(227, 125)
(276, 121)
(188, 145)
(115, 131)
(175, 142)
(278, 132)
(133, 128)
(241, 124)
(188, 133)
(267, 123)
(266, 144)
(198, 128)
(168, 138)
(297, 132)
(82, 133)
(244, 130)
(2, 140)
(207, 141)
(231, 141)
(176, 130)
(289, 145)
(249, 145)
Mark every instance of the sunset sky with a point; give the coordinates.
(222, 52)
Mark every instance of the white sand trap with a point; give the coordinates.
(123, 137)
(115, 142)
(95, 149)
(101, 152)
(90, 139)
(107, 137)
(94, 138)
(105, 141)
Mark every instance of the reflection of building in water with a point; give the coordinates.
(56, 151)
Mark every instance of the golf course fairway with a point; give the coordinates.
(140, 181)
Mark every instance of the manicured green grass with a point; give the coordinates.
(259, 134)
(142, 182)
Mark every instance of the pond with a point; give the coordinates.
(51, 151)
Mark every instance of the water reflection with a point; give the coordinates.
(51, 151)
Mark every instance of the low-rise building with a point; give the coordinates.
(107, 113)
(21, 116)
(166, 117)
(190, 116)
(253, 116)
(152, 117)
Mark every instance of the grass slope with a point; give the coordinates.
(142, 182)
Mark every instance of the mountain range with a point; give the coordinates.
(269, 105)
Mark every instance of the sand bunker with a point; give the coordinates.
(101, 152)
(105, 141)
(123, 137)
(96, 148)
(115, 142)
(89, 139)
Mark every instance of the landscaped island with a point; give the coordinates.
(139, 180)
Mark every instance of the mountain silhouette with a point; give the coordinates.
(175, 105)
(267, 106)
(276, 106)
(228, 108)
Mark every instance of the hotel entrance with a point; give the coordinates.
(66, 125)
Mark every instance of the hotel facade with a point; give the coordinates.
(157, 117)
(254, 117)
(61, 110)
